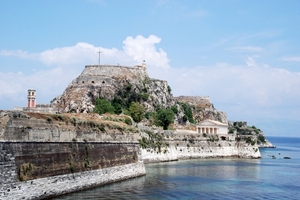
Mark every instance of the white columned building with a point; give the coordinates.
(212, 127)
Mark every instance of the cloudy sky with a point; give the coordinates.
(245, 55)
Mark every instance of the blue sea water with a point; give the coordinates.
(265, 178)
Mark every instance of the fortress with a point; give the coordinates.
(103, 75)
(49, 150)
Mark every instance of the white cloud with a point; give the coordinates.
(295, 59)
(135, 50)
(141, 48)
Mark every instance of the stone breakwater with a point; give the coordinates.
(37, 170)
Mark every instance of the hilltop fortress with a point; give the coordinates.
(107, 81)
(49, 150)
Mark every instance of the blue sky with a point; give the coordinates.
(245, 55)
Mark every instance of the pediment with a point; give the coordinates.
(210, 123)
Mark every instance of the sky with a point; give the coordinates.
(244, 55)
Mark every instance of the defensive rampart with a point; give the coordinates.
(35, 170)
(44, 155)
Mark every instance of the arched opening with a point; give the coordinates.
(103, 82)
(93, 81)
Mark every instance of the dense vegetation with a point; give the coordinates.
(129, 100)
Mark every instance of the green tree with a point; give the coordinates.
(136, 111)
(164, 118)
(103, 106)
(261, 138)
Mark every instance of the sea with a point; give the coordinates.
(271, 177)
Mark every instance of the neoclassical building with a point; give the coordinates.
(211, 127)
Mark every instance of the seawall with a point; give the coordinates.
(163, 146)
(36, 170)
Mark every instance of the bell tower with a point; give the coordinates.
(31, 98)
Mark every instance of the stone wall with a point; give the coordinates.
(201, 149)
(18, 126)
(44, 109)
(39, 169)
(58, 185)
(199, 101)
(175, 145)
(8, 173)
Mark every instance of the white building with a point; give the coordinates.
(211, 127)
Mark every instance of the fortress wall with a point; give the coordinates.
(113, 70)
(94, 80)
(40, 130)
(38, 109)
(33, 170)
(201, 149)
(103, 75)
(200, 101)
(8, 173)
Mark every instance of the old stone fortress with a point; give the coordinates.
(49, 150)
(101, 76)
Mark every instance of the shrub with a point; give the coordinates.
(231, 130)
(144, 96)
(174, 109)
(187, 112)
(103, 106)
(169, 89)
(128, 121)
(136, 111)
(240, 124)
(149, 115)
(261, 138)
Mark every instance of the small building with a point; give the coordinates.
(37, 108)
(212, 127)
